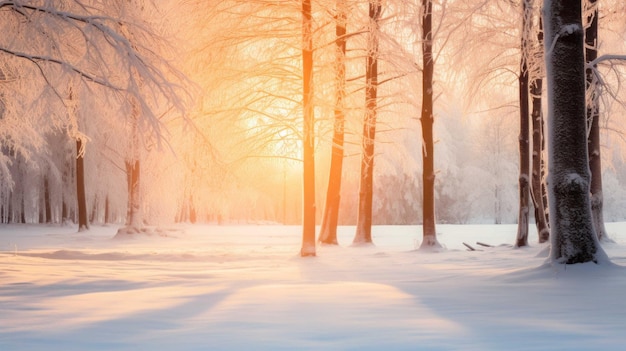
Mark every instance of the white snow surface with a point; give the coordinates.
(203, 287)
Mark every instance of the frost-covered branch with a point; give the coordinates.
(608, 57)
(37, 60)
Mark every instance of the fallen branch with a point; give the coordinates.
(469, 247)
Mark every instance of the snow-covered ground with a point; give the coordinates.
(245, 288)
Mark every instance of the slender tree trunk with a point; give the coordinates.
(67, 171)
(94, 211)
(593, 115)
(537, 184)
(41, 210)
(308, 205)
(133, 216)
(328, 232)
(83, 224)
(427, 120)
(192, 212)
(23, 208)
(46, 199)
(524, 145)
(366, 186)
(107, 210)
(573, 238)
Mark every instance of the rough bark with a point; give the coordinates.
(427, 120)
(328, 232)
(593, 115)
(81, 198)
(573, 238)
(366, 186)
(308, 205)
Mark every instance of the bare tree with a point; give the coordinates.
(85, 44)
(366, 186)
(427, 120)
(328, 232)
(593, 117)
(537, 184)
(308, 222)
(524, 142)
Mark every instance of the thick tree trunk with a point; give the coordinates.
(593, 115)
(81, 198)
(366, 186)
(427, 120)
(308, 202)
(328, 232)
(573, 238)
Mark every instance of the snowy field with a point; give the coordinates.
(246, 288)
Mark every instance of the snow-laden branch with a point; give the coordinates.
(117, 53)
(36, 59)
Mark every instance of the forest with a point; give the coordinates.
(148, 113)
(312, 175)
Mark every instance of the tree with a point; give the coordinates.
(593, 116)
(573, 238)
(54, 45)
(427, 120)
(524, 146)
(83, 223)
(537, 185)
(308, 205)
(366, 186)
(81, 197)
(330, 218)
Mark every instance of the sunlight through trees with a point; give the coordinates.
(276, 112)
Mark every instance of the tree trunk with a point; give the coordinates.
(81, 199)
(46, 199)
(573, 238)
(366, 186)
(524, 148)
(23, 208)
(308, 202)
(537, 184)
(133, 215)
(537, 187)
(107, 210)
(94, 211)
(593, 115)
(67, 171)
(427, 120)
(328, 232)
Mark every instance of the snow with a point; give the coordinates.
(203, 287)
